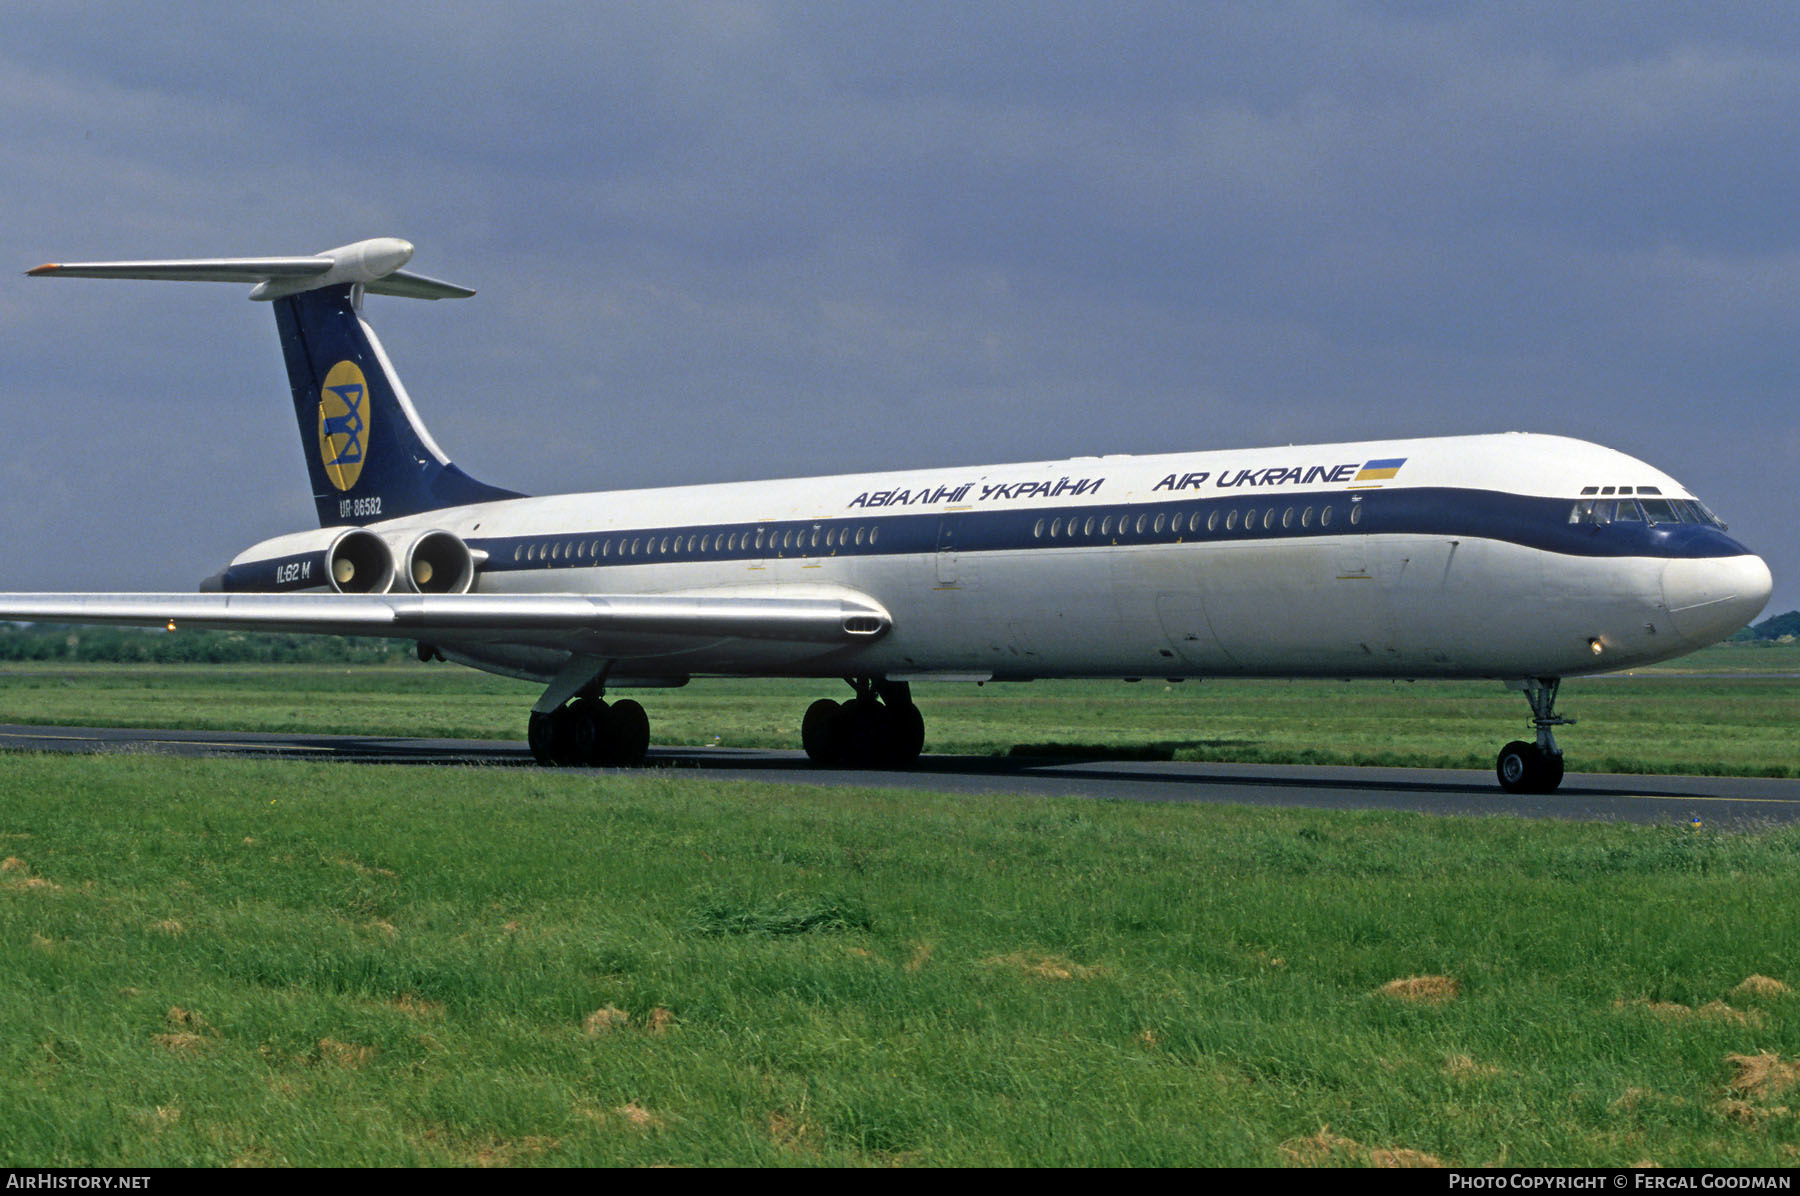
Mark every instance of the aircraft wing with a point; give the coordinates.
(609, 624)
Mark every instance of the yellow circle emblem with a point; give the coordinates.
(344, 424)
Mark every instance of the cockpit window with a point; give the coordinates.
(1654, 510)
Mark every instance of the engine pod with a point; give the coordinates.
(358, 562)
(439, 562)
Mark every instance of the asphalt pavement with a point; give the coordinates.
(1719, 802)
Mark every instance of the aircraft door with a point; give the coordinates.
(946, 554)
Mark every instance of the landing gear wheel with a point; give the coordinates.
(1517, 767)
(588, 727)
(1525, 768)
(905, 735)
(818, 731)
(860, 732)
(628, 735)
(571, 737)
(1552, 774)
(538, 736)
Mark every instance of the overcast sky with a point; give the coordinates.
(722, 241)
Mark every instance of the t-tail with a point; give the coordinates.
(368, 454)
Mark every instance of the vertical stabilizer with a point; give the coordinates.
(368, 456)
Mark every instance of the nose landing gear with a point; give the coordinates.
(1535, 767)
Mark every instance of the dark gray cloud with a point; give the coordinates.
(738, 240)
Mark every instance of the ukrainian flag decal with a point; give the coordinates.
(344, 424)
(1379, 471)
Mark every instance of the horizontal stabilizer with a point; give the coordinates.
(218, 269)
(408, 285)
(375, 264)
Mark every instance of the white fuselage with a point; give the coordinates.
(1245, 563)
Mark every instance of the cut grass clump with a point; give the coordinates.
(1423, 990)
(1765, 1075)
(1765, 987)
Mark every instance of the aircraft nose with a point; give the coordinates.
(1708, 598)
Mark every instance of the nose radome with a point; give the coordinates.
(1708, 598)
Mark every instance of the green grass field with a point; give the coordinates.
(244, 962)
(263, 963)
(1727, 710)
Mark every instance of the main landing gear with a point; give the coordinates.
(878, 728)
(1535, 767)
(587, 732)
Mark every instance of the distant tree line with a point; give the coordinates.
(53, 641)
(1775, 627)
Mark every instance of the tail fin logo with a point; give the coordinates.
(344, 424)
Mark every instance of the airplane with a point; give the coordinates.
(1518, 557)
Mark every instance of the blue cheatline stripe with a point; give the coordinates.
(1540, 523)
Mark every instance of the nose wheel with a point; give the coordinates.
(1535, 767)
